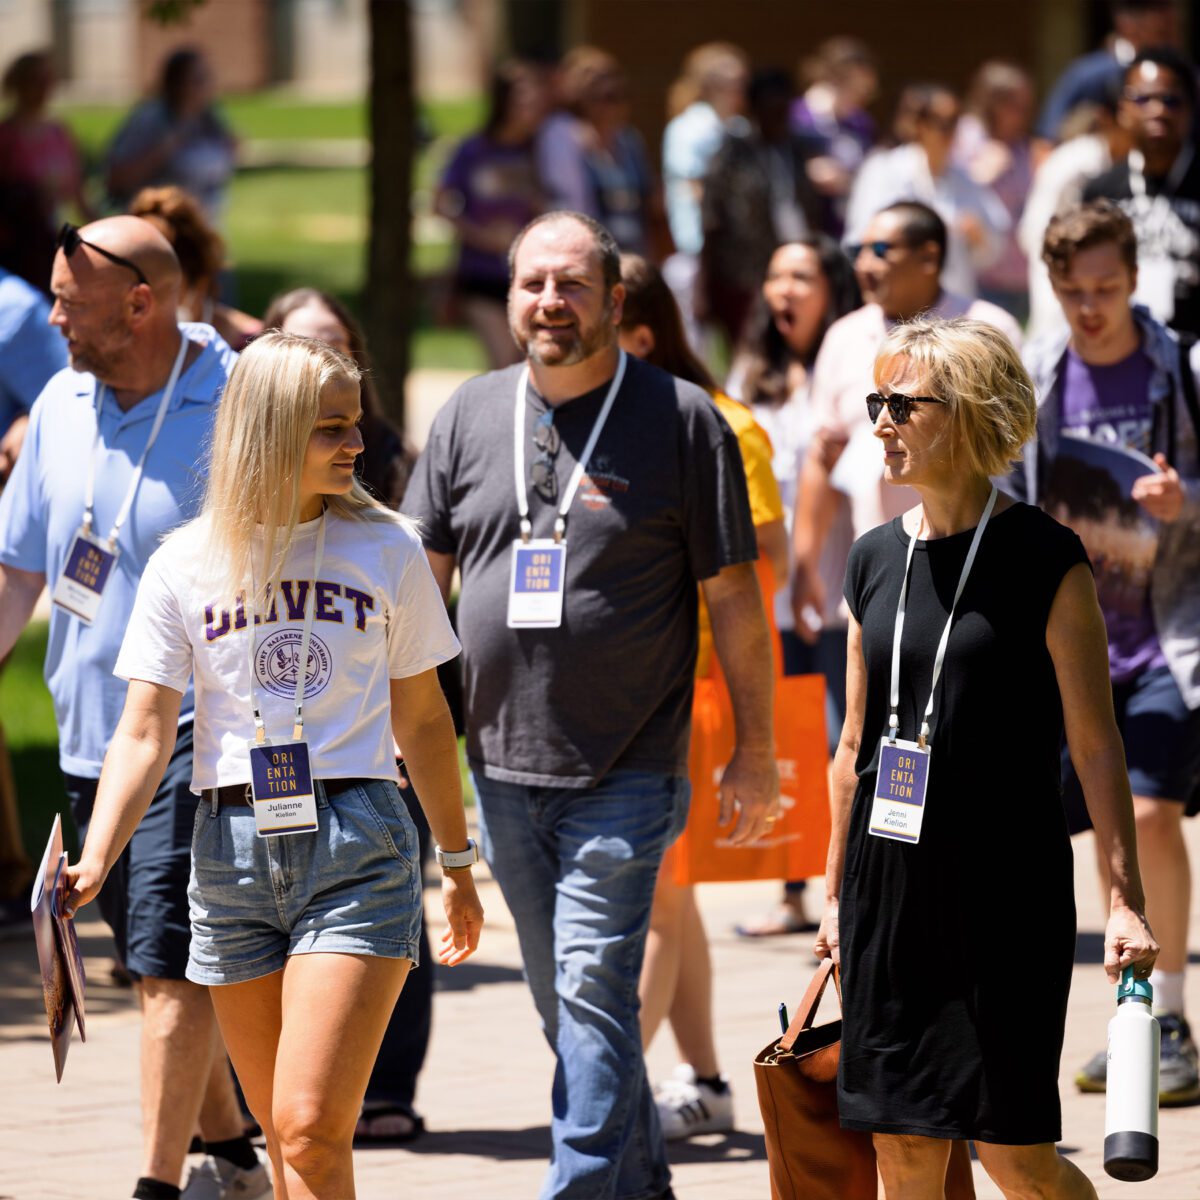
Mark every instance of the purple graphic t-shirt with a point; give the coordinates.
(1111, 404)
(497, 186)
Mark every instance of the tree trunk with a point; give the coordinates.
(388, 310)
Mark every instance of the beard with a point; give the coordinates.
(104, 354)
(573, 343)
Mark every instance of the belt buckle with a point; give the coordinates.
(248, 796)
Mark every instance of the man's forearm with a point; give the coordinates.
(19, 592)
(743, 644)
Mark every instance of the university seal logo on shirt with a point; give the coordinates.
(277, 663)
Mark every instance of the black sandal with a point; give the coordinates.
(366, 1132)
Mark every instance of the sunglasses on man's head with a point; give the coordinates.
(68, 241)
(899, 406)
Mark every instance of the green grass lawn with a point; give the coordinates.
(269, 115)
(28, 719)
(292, 227)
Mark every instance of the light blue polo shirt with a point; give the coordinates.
(42, 506)
(31, 351)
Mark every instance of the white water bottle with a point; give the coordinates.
(1131, 1108)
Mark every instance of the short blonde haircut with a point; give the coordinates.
(977, 371)
(266, 416)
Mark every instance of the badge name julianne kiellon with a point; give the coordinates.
(281, 783)
(281, 780)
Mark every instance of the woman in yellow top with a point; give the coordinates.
(677, 975)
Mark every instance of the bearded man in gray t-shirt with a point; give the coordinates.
(583, 495)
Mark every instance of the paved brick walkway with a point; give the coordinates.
(485, 1088)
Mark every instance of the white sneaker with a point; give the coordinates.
(687, 1107)
(219, 1179)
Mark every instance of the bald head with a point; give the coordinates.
(116, 326)
(141, 243)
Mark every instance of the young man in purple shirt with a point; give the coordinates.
(1120, 377)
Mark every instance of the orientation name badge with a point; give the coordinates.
(281, 781)
(90, 560)
(535, 592)
(898, 806)
(285, 800)
(538, 576)
(81, 585)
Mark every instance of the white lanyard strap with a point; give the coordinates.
(1137, 173)
(260, 729)
(560, 522)
(940, 657)
(89, 495)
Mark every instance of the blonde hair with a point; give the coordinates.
(266, 416)
(977, 371)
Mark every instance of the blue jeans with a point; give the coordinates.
(577, 868)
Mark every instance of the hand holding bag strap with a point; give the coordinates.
(808, 1005)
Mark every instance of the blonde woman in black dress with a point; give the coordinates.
(950, 887)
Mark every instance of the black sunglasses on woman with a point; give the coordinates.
(899, 406)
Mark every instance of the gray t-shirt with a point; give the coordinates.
(662, 505)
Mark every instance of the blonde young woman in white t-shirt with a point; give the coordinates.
(305, 897)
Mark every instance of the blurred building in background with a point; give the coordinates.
(111, 50)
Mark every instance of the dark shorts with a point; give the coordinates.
(1162, 744)
(144, 899)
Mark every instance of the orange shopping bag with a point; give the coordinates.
(796, 846)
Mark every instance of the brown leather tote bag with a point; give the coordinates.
(811, 1157)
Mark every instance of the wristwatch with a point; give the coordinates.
(452, 860)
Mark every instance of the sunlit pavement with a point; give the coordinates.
(486, 1084)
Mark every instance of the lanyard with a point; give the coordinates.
(560, 522)
(260, 730)
(1137, 173)
(89, 495)
(940, 658)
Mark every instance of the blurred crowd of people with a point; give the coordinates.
(768, 251)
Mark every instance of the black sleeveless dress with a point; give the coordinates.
(957, 951)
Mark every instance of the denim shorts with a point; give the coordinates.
(353, 887)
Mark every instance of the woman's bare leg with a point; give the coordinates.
(1032, 1172)
(335, 1010)
(912, 1168)
(660, 969)
(691, 1009)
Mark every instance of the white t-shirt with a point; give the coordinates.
(379, 616)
